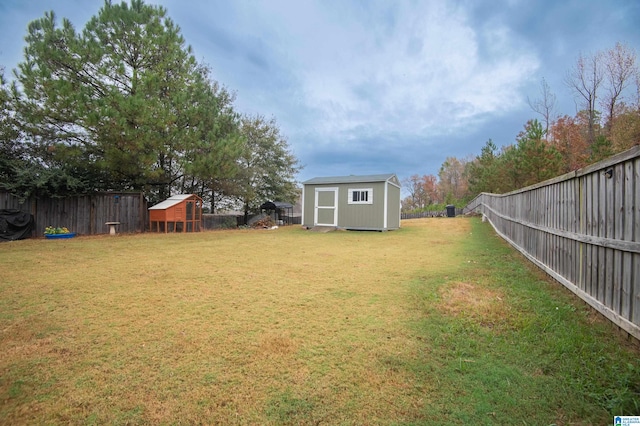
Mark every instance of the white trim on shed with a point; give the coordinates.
(317, 208)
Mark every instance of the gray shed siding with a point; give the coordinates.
(361, 216)
(393, 207)
(354, 216)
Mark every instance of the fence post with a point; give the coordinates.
(92, 215)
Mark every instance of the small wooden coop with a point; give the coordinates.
(179, 213)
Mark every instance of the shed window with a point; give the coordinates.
(361, 196)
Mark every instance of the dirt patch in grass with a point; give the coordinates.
(472, 301)
(277, 344)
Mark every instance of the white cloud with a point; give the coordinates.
(406, 68)
(397, 84)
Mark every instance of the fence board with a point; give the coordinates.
(617, 221)
(627, 234)
(420, 215)
(609, 227)
(583, 228)
(84, 214)
(635, 274)
(585, 204)
(602, 208)
(555, 224)
(580, 226)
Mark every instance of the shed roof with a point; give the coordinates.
(171, 201)
(349, 179)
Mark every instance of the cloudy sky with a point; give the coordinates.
(378, 86)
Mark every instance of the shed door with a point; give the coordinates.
(326, 207)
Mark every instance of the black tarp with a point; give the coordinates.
(15, 225)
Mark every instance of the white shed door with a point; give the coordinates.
(326, 207)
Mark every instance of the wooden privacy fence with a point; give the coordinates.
(85, 214)
(582, 228)
(435, 213)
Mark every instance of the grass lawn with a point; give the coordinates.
(437, 323)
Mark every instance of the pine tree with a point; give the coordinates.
(122, 101)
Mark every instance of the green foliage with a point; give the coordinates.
(601, 149)
(531, 160)
(206, 164)
(54, 230)
(266, 166)
(12, 154)
(483, 173)
(33, 179)
(122, 104)
(25, 169)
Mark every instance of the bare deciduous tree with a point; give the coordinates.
(620, 70)
(545, 105)
(584, 79)
(452, 180)
(422, 191)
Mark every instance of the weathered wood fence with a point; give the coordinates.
(84, 214)
(436, 213)
(583, 229)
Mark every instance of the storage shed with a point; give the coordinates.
(369, 202)
(179, 213)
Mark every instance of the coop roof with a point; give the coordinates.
(349, 179)
(171, 201)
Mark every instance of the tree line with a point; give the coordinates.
(606, 88)
(124, 105)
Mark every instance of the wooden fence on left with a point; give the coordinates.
(84, 214)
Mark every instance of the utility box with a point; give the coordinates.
(451, 211)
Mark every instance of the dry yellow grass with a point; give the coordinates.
(439, 322)
(485, 306)
(226, 327)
